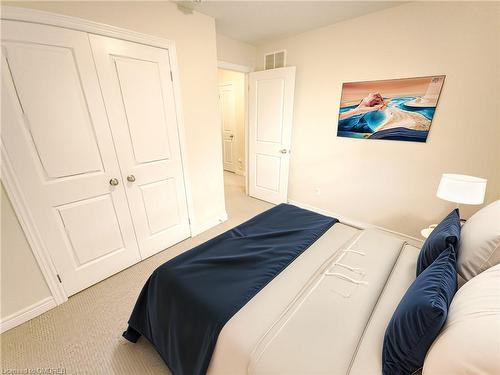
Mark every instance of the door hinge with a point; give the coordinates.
(59, 278)
(171, 76)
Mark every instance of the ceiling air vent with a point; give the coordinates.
(275, 60)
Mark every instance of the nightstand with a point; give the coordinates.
(427, 231)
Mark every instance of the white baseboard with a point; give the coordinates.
(202, 227)
(356, 223)
(27, 313)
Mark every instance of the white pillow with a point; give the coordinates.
(479, 247)
(470, 340)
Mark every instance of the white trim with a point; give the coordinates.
(356, 223)
(181, 133)
(202, 227)
(27, 313)
(234, 67)
(73, 23)
(40, 253)
(247, 90)
(80, 24)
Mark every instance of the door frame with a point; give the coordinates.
(245, 70)
(9, 180)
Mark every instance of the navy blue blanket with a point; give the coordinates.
(187, 301)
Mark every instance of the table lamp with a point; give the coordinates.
(461, 189)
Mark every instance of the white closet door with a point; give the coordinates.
(58, 141)
(137, 88)
(270, 114)
(228, 117)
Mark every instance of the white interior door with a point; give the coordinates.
(270, 115)
(138, 93)
(57, 138)
(228, 115)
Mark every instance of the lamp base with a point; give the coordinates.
(462, 221)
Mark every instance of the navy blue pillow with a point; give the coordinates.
(447, 232)
(420, 316)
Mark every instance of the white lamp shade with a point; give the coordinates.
(463, 189)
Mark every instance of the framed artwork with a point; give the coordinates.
(393, 109)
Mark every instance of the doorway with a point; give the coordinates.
(232, 104)
(256, 111)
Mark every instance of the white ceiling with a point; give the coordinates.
(255, 22)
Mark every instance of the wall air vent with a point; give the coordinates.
(275, 60)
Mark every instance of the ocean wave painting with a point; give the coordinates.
(395, 109)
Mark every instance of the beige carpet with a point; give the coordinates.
(83, 335)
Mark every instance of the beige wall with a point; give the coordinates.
(194, 36)
(235, 52)
(22, 282)
(238, 81)
(389, 183)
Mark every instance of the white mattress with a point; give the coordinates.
(306, 321)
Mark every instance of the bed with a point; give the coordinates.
(295, 292)
(296, 323)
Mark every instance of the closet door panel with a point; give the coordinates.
(52, 97)
(144, 109)
(57, 138)
(138, 93)
(100, 237)
(161, 211)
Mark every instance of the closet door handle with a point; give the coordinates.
(114, 182)
(131, 178)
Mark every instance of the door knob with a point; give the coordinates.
(231, 136)
(114, 182)
(130, 178)
(283, 151)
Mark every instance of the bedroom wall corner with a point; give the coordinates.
(393, 184)
(235, 52)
